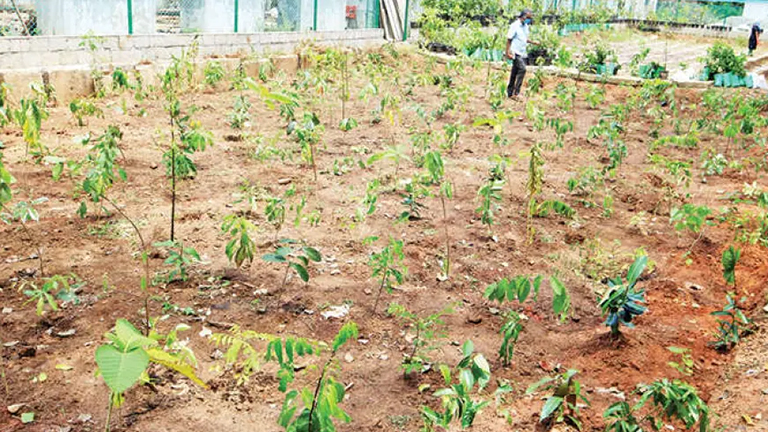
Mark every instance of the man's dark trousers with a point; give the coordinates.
(517, 76)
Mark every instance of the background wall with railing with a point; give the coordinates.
(120, 17)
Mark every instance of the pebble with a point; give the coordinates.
(66, 333)
(348, 358)
(7, 310)
(15, 408)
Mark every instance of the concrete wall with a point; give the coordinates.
(60, 61)
(102, 17)
(756, 11)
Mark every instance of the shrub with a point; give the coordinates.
(721, 59)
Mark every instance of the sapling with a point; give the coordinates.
(564, 403)
(620, 417)
(732, 327)
(686, 364)
(412, 192)
(457, 399)
(187, 137)
(510, 332)
(123, 361)
(81, 108)
(22, 212)
(513, 289)
(561, 299)
(429, 330)
(47, 294)
(674, 400)
(731, 257)
(180, 257)
(452, 133)
(497, 123)
(308, 136)
(388, 267)
(622, 302)
(239, 116)
(30, 116)
(275, 213)
(295, 256)
(103, 171)
(396, 153)
(321, 405)
(433, 161)
(692, 218)
(213, 73)
(533, 187)
(240, 247)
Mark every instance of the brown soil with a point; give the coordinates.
(677, 316)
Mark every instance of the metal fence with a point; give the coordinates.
(105, 17)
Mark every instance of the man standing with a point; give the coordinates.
(754, 37)
(517, 50)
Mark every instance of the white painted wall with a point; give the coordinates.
(102, 17)
(756, 10)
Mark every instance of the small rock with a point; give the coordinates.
(363, 341)
(84, 418)
(765, 391)
(475, 320)
(336, 312)
(494, 311)
(205, 332)
(66, 333)
(153, 166)
(7, 310)
(15, 408)
(335, 272)
(693, 286)
(284, 181)
(369, 292)
(11, 344)
(261, 292)
(384, 357)
(348, 358)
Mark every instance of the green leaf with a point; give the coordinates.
(550, 406)
(302, 272)
(274, 258)
(313, 254)
(347, 332)
(731, 257)
(27, 417)
(121, 370)
(636, 269)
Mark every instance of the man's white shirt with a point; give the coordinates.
(518, 34)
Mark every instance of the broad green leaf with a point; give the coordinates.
(313, 254)
(274, 258)
(550, 406)
(636, 269)
(121, 370)
(27, 417)
(302, 272)
(161, 357)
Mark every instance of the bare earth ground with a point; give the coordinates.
(380, 398)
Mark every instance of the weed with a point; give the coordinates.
(179, 258)
(732, 327)
(675, 400)
(686, 364)
(213, 73)
(81, 108)
(429, 330)
(563, 404)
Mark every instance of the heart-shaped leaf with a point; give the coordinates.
(121, 370)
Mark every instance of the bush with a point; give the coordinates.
(722, 59)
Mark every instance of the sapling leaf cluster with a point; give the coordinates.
(428, 332)
(563, 405)
(295, 256)
(622, 302)
(387, 266)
